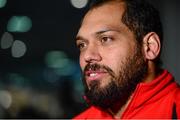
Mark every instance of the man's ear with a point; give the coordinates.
(151, 45)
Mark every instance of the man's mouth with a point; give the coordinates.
(94, 75)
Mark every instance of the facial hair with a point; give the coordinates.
(120, 87)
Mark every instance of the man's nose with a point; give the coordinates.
(92, 54)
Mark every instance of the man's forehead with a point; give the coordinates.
(106, 7)
(99, 3)
(101, 17)
(106, 12)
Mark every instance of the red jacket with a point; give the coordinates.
(157, 99)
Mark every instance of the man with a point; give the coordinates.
(120, 43)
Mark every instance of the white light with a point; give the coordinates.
(18, 49)
(79, 3)
(6, 40)
(5, 99)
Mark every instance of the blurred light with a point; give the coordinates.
(5, 99)
(56, 59)
(18, 49)
(60, 63)
(79, 3)
(17, 79)
(2, 3)
(19, 24)
(6, 40)
(77, 74)
(67, 70)
(50, 76)
(78, 87)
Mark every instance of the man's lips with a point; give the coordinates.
(94, 75)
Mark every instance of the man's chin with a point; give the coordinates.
(99, 95)
(99, 83)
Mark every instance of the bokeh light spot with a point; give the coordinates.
(5, 99)
(56, 59)
(17, 79)
(79, 3)
(2, 3)
(50, 76)
(18, 49)
(19, 24)
(67, 70)
(6, 40)
(60, 63)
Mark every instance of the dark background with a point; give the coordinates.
(37, 90)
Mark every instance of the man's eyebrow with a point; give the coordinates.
(106, 30)
(102, 31)
(79, 37)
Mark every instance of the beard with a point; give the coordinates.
(120, 87)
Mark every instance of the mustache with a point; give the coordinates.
(96, 66)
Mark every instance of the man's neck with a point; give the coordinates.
(118, 109)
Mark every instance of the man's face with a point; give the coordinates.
(111, 61)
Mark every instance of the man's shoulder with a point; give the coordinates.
(177, 95)
(87, 113)
(92, 113)
(177, 101)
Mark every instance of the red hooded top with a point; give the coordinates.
(158, 99)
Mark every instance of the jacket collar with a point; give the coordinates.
(148, 92)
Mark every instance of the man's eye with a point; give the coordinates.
(81, 45)
(106, 39)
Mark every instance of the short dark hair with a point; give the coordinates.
(140, 17)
